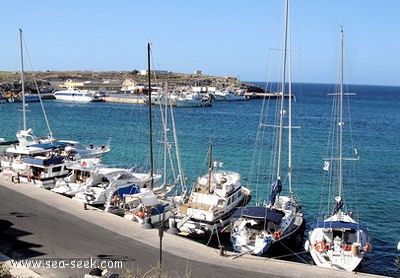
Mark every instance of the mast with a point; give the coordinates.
(177, 152)
(279, 168)
(341, 123)
(22, 80)
(210, 167)
(290, 117)
(150, 118)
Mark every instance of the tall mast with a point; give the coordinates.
(279, 168)
(290, 116)
(341, 123)
(150, 116)
(22, 80)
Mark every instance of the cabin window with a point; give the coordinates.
(57, 169)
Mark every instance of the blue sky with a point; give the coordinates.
(219, 37)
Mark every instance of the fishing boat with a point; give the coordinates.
(255, 229)
(338, 241)
(212, 200)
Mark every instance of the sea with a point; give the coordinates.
(231, 128)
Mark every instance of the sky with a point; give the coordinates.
(243, 39)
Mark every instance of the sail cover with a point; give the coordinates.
(258, 213)
(276, 189)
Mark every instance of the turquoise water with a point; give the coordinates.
(232, 129)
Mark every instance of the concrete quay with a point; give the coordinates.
(172, 244)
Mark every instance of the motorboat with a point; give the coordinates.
(211, 202)
(82, 174)
(77, 95)
(114, 181)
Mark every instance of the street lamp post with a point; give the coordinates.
(148, 225)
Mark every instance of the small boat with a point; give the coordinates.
(145, 204)
(211, 202)
(338, 241)
(188, 99)
(255, 229)
(77, 95)
(228, 96)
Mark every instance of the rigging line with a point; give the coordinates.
(37, 87)
(293, 253)
(212, 233)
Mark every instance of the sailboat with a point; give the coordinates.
(255, 228)
(148, 203)
(339, 241)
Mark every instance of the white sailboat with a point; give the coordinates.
(255, 228)
(339, 241)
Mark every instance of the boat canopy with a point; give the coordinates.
(339, 225)
(48, 146)
(131, 189)
(256, 212)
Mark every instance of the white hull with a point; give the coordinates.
(255, 235)
(208, 209)
(75, 95)
(340, 248)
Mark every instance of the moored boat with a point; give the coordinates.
(76, 95)
(338, 241)
(255, 229)
(211, 202)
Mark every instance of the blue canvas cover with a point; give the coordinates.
(339, 225)
(49, 146)
(259, 213)
(132, 189)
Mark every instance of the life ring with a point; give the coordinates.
(277, 234)
(84, 163)
(320, 246)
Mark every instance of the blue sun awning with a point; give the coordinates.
(257, 212)
(339, 225)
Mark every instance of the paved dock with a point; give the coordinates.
(173, 244)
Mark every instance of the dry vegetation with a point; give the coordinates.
(47, 78)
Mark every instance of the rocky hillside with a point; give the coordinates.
(49, 78)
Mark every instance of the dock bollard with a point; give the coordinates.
(222, 250)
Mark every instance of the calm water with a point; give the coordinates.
(232, 129)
